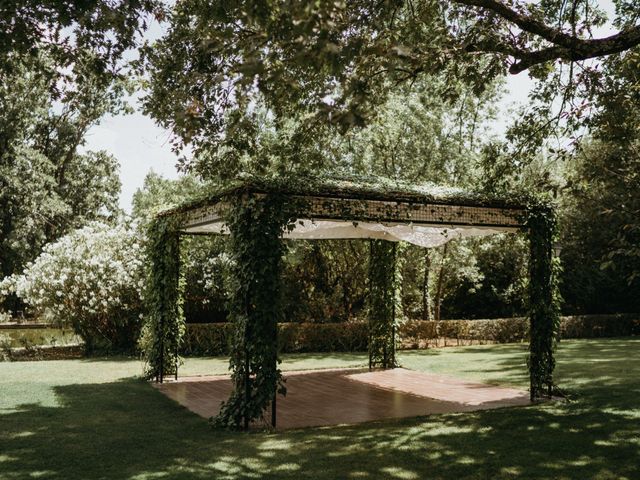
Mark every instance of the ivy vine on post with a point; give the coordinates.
(164, 326)
(384, 287)
(256, 223)
(544, 312)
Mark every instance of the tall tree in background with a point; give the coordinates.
(47, 184)
(61, 70)
(602, 230)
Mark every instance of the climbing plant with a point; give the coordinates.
(544, 311)
(164, 326)
(257, 213)
(256, 223)
(384, 302)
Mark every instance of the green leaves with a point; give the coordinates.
(69, 31)
(164, 325)
(256, 223)
(384, 303)
(544, 311)
(325, 63)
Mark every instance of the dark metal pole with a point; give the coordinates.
(393, 306)
(161, 351)
(247, 387)
(273, 409)
(369, 313)
(393, 340)
(177, 299)
(161, 375)
(177, 362)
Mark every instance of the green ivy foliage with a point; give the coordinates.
(256, 223)
(384, 302)
(544, 311)
(257, 219)
(164, 327)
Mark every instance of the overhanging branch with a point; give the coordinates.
(564, 46)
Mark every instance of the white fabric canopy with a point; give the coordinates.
(422, 235)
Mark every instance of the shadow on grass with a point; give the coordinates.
(127, 430)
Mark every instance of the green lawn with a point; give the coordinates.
(90, 419)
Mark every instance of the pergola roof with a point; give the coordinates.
(364, 207)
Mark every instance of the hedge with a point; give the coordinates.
(44, 352)
(213, 338)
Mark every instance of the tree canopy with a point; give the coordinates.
(336, 60)
(90, 33)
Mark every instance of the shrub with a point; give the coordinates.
(91, 280)
(213, 338)
(207, 339)
(594, 326)
(323, 337)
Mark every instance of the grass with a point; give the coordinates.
(91, 419)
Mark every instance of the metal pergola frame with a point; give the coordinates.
(356, 205)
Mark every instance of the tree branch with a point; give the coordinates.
(582, 50)
(565, 46)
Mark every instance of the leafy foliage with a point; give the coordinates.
(486, 278)
(600, 228)
(81, 38)
(91, 280)
(205, 263)
(256, 224)
(335, 62)
(158, 193)
(544, 312)
(164, 327)
(384, 303)
(325, 281)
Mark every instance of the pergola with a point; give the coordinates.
(258, 214)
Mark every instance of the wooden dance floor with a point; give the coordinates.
(346, 396)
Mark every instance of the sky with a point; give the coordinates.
(142, 146)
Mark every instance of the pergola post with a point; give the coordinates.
(383, 298)
(544, 314)
(255, 224)
(165, 322)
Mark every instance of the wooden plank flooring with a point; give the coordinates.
(345, 396)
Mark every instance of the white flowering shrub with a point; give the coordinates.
(91, 279)
(206, 269)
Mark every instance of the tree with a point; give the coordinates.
(76, 36)
(602, 231)
(335, 61)
(417, 136)
(47, 185)
(158, 193)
